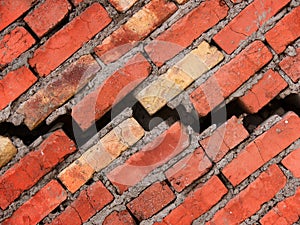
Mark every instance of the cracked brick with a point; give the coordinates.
(69, 39)
(291, 66)
(33, 166)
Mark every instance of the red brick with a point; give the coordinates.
(58, 91)
(12, 45)
(285, 212)
(249, 201)
(230, 77)
(69, 39)
(119, 218)
(153, 155)
(47, 15)
(151, 201)
(247, 22)
(14, 84)
(285, 31)
(263, 92)
(292, 162)
(181, 34)
(9, 11)
(263, 148)
(39, 206)
(135, 29)
(24, 174)
(188, 169)
(198, 202)
(224, 138)
(291, 66)
(87, 204)
(93, 106)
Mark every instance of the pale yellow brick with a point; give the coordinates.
(7, 150)
(122, 5)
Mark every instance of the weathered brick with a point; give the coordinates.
(291, 66)
(263, 92)
(24, 174)
(58, 91)
(285, 31)
(181, 34)
(247, 22)
(188, 169)
(224, 138)
(292, 162)
(122, 5)
(14, 84)
(12, 45)
(230, 77)
(179, 77)
(263, 148)
(89, 201)
(151, 201)
(153, 155)
(119, 218)
(93, 106)
(264, 188)
(100, 155)
(198, 202)
(7, 150)
(47, 15)
(39, 206)
(139, 26)
(9, 11)
(69, 39)
(285, 212)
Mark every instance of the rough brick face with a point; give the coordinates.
(181, 34)
(122, 5)
(200, 200)
(285, 31)
(89, 201)
(153, 155)
(230, 77)
(135, 29)
(188, 169)
(263, 92)
(245, 204)
(14, 84)
(39, 206)
(119, 218)
(69, 39)
(151, 201)
(292, 162)
(12, 45)
(58, 91)
(263, 148)
(224, 138)
(247, 22)
(93, 106)
(7, 150)
(24, 174)
(9, 11)
(47, 15)
(291, 66)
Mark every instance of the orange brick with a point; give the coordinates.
(244, 205)
(69, 39)
(139, 26)
(247, 22)
(151, 201)
(39, 206)
(119, 218)
(263, 92)
(15, 84)
(47, 15)
(285, 31)
(291, 66)
(12, 45)
(230, 77)
(292, 162)
(188, 169)
(181, 34)
(263, 148)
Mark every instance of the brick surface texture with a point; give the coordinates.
(158, 112)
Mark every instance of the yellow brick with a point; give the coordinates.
(180, 78)
(7, 150)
